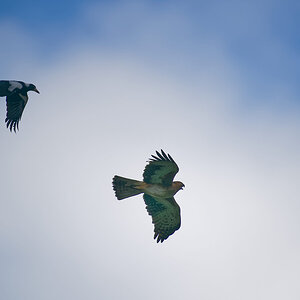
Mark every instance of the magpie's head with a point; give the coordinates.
(32, 87)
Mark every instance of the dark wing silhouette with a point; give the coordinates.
(4, 85)
(165, 215)
(15, 104)
(161, 169)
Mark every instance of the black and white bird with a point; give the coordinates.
(16, 100)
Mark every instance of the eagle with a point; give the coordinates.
(16, 100)
(159, 190)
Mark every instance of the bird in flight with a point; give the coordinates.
(16, 100)
(159, 190)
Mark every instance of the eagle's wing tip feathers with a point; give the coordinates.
(161, 157)
(159, 238)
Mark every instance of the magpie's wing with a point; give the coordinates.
(4, 85)
(15, 104)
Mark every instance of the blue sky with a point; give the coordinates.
(214, 84)
(259, 38)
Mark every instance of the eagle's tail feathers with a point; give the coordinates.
(125, 187)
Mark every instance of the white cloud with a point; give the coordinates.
(63, 233)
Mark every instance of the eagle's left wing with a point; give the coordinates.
(161, 169)
(15, 104)
(165, 215)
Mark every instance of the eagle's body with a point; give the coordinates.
(16, 100)
(158, 188)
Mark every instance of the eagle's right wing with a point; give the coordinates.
(165, 215)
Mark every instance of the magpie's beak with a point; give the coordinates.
(182, 187)
(36, 90)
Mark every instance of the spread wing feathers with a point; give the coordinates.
(15, 104)
(161, 169)
(165, 215)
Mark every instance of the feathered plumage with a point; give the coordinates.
(16, 100)
(158, 188)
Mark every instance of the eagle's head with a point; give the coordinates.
(178, 185)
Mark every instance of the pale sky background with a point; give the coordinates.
(216, 85)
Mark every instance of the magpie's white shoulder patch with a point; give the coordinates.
(14, 85)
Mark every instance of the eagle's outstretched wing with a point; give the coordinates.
(15, 104)
(165, 215)
(161, 169)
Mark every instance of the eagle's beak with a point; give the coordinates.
(36, 90)
(182, 187)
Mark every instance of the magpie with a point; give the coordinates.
(16, 100)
